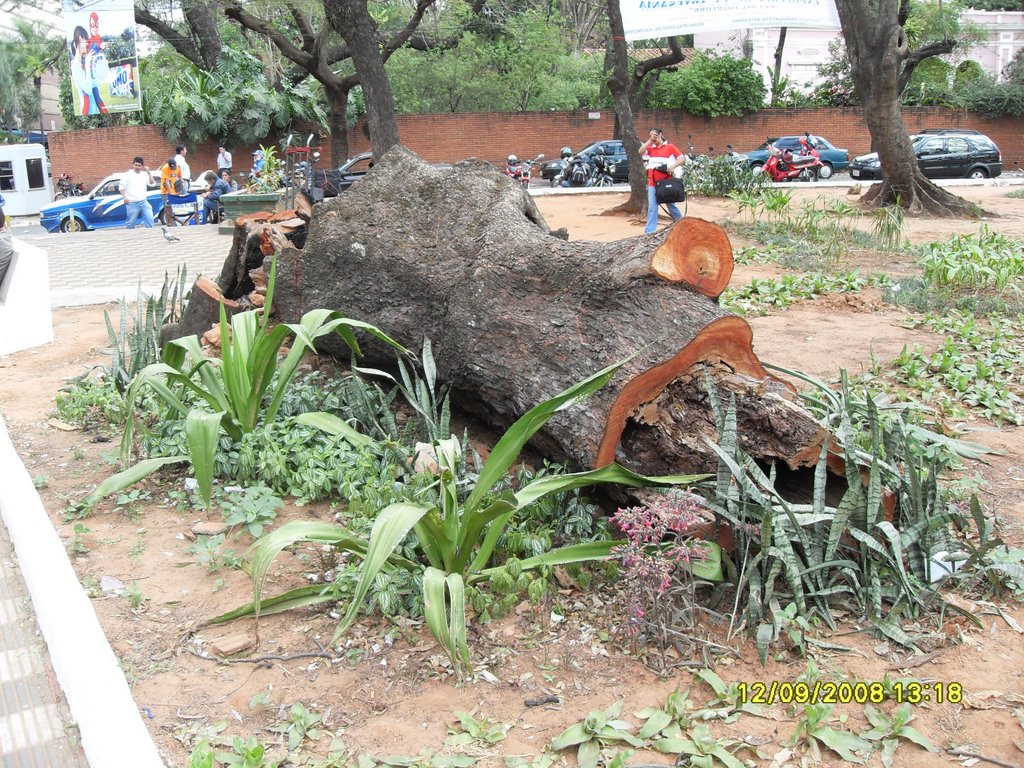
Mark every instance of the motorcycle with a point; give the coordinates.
(602, 171)
(521, 171)
(576, 172)
(66, 189)
(785, 166)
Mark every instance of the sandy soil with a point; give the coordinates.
(388, 691)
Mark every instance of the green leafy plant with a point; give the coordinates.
(890, 729)
(301, 724)
(77, 544)
(599, 729)
(670, 721)
(211, 554)
(729, 701)
(136, 344)
(254, 509)
(235, 388)
(701, 748)
(762, 295)
(988, 260)
(456, 536)
(888, 225)
(471, 730)
(812, 731)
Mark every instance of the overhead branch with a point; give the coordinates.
(183, 44)
(926, 51)
(288, 49)
(403, 35)
(673, 55)
(421, 41)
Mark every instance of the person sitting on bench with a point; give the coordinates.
(211, 203)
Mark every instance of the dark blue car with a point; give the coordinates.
(104, 207)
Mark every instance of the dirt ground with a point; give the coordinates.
(387, 691)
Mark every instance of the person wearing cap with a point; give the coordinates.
(6, 243)
(258, 161)
(170, 181)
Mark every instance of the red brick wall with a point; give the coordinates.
(91, 155)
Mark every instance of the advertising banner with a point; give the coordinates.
(102, 55)
(646, 19)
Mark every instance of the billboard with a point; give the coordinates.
(645, 19)
(102, 56)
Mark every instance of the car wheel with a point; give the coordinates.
(757, 167)
(825, 172)
(978, 173)
(71, 224)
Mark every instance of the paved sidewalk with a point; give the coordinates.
(35, 724)
(108, 264)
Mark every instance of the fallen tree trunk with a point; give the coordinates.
(516, 315)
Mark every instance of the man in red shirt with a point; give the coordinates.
(661, 158)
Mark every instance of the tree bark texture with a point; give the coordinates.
(516, 314)
(877, 46)
(351, 19)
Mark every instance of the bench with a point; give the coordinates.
(25, 318)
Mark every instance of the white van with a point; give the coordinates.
(24, 179)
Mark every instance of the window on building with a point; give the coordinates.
(6, 176)
(36, 173)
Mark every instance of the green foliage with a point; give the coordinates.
(301, 725)
(850, 553)
(721, 177)
(977, 366)
(812, 731)
(986, 260)
(836, 88)
(520, 63)
(254, 509)
(456, 534)
(243, 388)
(91, 402)
(711, 85)
(237, 105)
(600, 729)
(211, 554)
(471, 730)
(890, 729)
(136, 345)
(762, 295)
(27, 52)
(888, 225)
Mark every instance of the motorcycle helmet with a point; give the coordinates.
(513, 160)
(566, 151)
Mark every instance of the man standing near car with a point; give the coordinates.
(180, 152)
(661, 158)
(134, 190)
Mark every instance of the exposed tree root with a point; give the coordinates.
(924, 199)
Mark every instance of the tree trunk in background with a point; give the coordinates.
(337, 124)
(351, 19)
(777, 68)
(877, 46)
(619, 84)
(464, 258)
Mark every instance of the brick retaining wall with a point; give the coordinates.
(91, 155)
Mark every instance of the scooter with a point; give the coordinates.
(66, 189)
(576, 172)
(785, 166)
(602, 171)
(521, 171)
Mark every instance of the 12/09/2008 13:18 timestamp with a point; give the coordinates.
(827, 692)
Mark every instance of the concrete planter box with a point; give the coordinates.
(240, 203)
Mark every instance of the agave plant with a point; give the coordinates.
(239, 391)
(456, 538)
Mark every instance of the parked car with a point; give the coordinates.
(103, 208)
(832, 159)
(612, 149)
(942, 156)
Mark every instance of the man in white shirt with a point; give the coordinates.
(223, 159)
(135, 193)
(179, 157)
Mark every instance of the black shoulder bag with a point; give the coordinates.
(670, 190)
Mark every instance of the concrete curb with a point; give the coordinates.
(113, 733)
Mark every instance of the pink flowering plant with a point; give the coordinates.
(662, 566)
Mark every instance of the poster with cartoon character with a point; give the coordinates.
(102, 55)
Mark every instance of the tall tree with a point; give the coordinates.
(627, 88)
(881, 64)
(776, 95)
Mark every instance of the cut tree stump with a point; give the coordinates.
(464, 258)
(202, 311)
